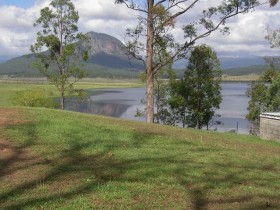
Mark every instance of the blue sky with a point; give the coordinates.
(18, 3)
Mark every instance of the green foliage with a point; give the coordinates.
(161, 90)
(59, 35)
(34, 98)
(264, 97)
(265, 93)
(273, 2)
(256, 105)
(198, 94)
(178, 99)
(155, 24)
(273, 36)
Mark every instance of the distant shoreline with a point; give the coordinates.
(243, 78)
(42, 80)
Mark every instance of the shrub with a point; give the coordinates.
(34, 98)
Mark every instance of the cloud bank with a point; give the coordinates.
(246, 36)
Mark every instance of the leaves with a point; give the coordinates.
(265, 94)
(56, 47)
(153, 34)
(198, 94)
(273, 2)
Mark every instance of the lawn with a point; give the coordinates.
(67, 160)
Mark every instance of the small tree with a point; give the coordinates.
(178, 101)
(56, 48)
(263, 97)
(199, 92)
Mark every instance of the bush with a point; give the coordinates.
(34, 98)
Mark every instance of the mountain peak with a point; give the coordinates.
(105, 44)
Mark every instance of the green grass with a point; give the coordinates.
(8, 89)
(94, 162)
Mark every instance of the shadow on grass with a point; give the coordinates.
(17, 154)
(74, 172)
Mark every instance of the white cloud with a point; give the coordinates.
(247, 34)
(247, 31)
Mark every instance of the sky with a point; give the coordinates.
(17, 3)
(246, 38)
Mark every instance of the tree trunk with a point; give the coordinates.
(62, 101)
(197, 124)
(150, 99)
(149, 65)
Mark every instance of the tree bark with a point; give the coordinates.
(149, 65)
(62, 102)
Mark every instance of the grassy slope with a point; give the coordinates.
(97, 162)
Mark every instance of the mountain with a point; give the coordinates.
(110, 52)
(230, 62)
(234, 66)
(107, 58)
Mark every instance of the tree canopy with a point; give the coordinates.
(56, 47)
(265, 93)
(199, 92)
(155, 23)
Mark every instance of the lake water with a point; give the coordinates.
(123, 103)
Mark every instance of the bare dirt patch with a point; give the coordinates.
(13, 160)
(7, 117)
(9, 152)
(20, 169)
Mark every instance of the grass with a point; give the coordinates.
(84, 161)
(243, 78)
(9, 88)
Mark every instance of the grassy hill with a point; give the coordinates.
(67, 160)
(22, 67)
(240, 71)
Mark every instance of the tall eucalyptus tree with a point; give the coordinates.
(155, 23)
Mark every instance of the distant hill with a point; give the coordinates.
(229, 62)
(107, 58)
(238, 66)
(19, 66)
(240, 71)
(239, 62)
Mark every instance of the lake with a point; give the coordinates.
(124, 102)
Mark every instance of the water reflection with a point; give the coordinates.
(106, 109)
(123, 103)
